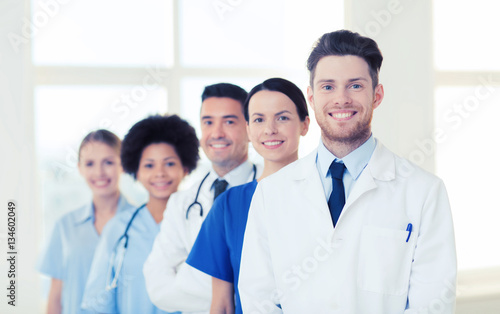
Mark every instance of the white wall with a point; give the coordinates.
(403, 31)
(405, 120)
(17, 166)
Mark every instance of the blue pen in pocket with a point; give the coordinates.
(409, 228)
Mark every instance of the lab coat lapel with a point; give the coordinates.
(381, 167)
(307, 177)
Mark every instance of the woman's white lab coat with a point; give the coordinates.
(370, 263)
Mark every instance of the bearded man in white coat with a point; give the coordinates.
(378, 238)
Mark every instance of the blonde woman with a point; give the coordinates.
(70, 250)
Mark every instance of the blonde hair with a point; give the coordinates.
(102, 136)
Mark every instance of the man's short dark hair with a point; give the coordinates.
(225, 90)
(344, 43)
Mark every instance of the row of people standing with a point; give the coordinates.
(351, 228)
(158, 152)
(276, 117)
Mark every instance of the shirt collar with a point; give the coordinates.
(88, 211)
(355, 161)
(238, 176)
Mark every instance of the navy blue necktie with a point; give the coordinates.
(337, 198)
(219, 187)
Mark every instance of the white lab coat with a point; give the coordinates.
(172, 284)
(293, 256)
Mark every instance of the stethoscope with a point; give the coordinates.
(198, 204)
(122, 242)
(121, 255)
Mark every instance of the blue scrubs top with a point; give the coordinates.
(217, 250)
(130, 295)
(69, 253)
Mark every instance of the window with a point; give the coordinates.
(97, 65)
(109, 33)
(109, 64)
(467, 96)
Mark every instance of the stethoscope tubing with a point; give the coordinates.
(195, 202)
(113, 283)
(129, 224)
(196, 198)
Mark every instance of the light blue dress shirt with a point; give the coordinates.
(130, 295)
(69, 253)
(355, 162)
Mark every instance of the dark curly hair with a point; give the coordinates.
(169, 129)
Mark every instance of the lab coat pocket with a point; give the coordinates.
(384, 260)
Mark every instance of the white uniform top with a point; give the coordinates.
(295, 261)
(172, 284)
